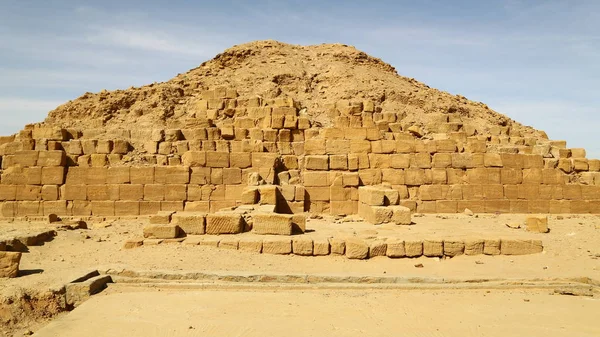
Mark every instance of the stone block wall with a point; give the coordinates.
(206, 165)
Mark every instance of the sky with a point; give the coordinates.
(537, 62)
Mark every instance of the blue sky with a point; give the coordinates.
(536, 61)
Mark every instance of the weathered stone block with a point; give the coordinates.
(537, 223)
(520, 247)
(224, 223)
(274, 224)
(474, 247)
(9, 264)
(250, 245)
(433, 248)
(413, 248)
(320, 247)
(338, 246)
(454, 247)
(161, 231)
(127, 208)
(161, 218)
(395, 248)
(277, 246)
(356, 249)
(377, 248)
(372, 196)
(53, 175)
(302, 246)
(491, 247)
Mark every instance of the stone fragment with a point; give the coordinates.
(161, 232)
(537, 223)
(356, 249)
(77, 292)
(9, 264)
(224, 223)
(272, 223)
(133, 243)
(277, 246)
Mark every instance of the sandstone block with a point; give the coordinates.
(400, 215)
(302, 246)
(537, 223)
(274, 224)
(395, 249)
(356, 249)
(103, 208)
(433, 248)
(51, 158)
(161, 232)
(191, 223)
(228, 242)
(9, 264)
(127, 208)
(250, 196)
(413, 248)
(377, 248)
(224, 223)
(520, 247)
(316, 162)
(217, 159)
(53, 175)
(320, 247)
(277, 246)
(161, 218)
(250, 245)
(142, 175)
(491, 247)
(372, 196)
(454, 247)
(316, 179)
(338, 246)
(474, 247)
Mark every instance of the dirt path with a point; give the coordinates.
(329, 313)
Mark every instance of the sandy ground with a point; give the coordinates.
(571, 250)
(329, 313)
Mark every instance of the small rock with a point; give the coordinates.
(513, 225)
(419, 265)
(418, 215)
(27, 333)
(469, 212)
(478, 262)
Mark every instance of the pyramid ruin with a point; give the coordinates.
(292, 129)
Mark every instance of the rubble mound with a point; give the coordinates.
(316, 77)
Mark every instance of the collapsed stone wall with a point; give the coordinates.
(445, 166)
